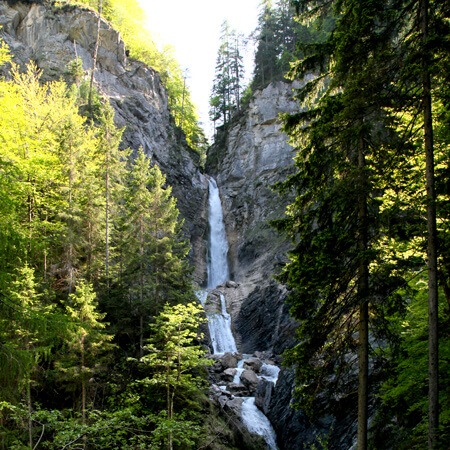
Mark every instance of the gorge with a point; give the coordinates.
(219, 324)
(246, 306)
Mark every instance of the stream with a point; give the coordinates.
(219, 323)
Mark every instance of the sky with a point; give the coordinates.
(192, 27)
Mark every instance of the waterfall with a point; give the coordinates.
(219, 323)
(220, 330)
(218, 244)
(257, 422)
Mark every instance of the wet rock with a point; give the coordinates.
(238, 390)
(229, 360)
(249, 380)
(228, 375)
(254, 364)
(263, 395)
(263, 321)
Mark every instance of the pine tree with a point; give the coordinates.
(173, 354)
(86, 344)
(151, 250)
(227, 86)
(278, 34)
(28, 330)
(344, 139)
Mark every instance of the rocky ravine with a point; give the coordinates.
(250, 158)
(52, 36)
(253, 156)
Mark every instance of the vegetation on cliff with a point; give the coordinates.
(128, 17)
(91, 254)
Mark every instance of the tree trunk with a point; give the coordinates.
(433, 342)
(363, 288)
(94, 63)
(107, 194)
(30, 410)
(169, 405)
(83, 388)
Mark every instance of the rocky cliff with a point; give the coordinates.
(246, 161)
(252, 156)
(51, 36)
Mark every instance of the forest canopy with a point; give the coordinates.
(91, 254)
(368, 269)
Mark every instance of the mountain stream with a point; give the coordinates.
(219, 322)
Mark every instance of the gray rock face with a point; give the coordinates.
(52, 36)
(295, 431)
(263, 395)
(252, 157)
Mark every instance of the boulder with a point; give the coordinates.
(263, 395)
(228, 375)
(239, 390)
(249, 380)
(254, 364)
(229, 360)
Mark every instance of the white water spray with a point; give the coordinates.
(220, 330)
(257, 422)
(219, 323)
(218, 244)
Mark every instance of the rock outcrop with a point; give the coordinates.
(251, 157)
(246, 161)
(52, 36)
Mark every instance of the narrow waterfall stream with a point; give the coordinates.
(217, 267)
(219, 323)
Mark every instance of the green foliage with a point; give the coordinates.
(360, 202)
(227, 88)
(84, 340)
(128, 17)
(174, 358)
(343, 141)
(5, 55)
(402, 416)
(72, 208)
(279, 36)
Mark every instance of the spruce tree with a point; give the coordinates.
(174, 356)
(151, 250)
(86, 345)
(227, 86)
(344, 139)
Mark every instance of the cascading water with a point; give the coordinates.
(257, 422)
(219, 323)
(220, 330)
(218, 243)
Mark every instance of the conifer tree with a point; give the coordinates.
(344, 138)
(151, 250)
(227, 86)
(173, 354)
(85, 343)
(28, 332)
